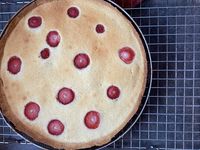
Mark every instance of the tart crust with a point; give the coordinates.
(39, 136)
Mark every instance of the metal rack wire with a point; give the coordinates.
(171, 119)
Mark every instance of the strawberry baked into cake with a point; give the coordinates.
(73, 72)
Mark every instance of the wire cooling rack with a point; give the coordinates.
(171, 119)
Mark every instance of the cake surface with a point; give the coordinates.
(73, 72)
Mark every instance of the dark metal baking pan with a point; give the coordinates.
(143, 102)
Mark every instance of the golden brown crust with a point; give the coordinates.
(19, 125)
